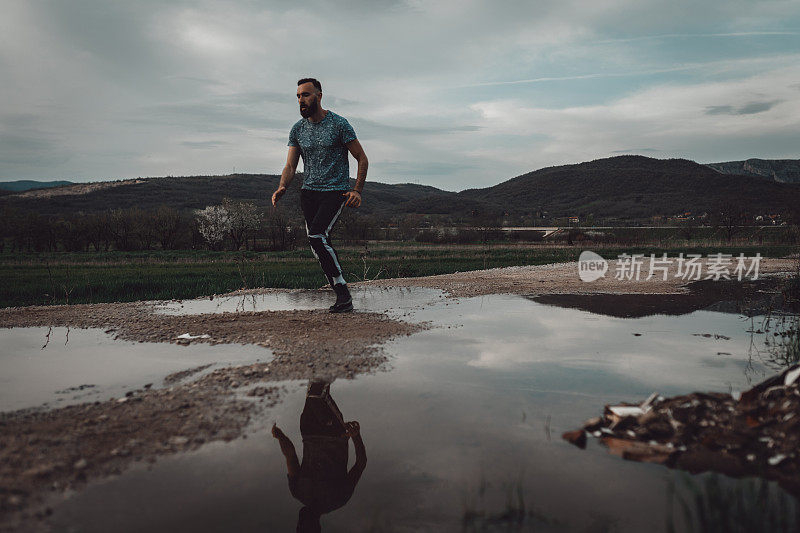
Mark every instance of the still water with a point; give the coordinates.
(461, 434)
(58, 366)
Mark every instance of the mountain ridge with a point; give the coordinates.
(780, 170)
(624, 187)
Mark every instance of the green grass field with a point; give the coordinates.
(57, 278)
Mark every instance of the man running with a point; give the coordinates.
(323, 139)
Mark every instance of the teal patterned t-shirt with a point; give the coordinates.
(322, 146)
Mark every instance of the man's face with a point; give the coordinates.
(308, 98)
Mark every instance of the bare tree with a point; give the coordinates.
(168, 224)
(144, 229)
(731, 216)
(121, 227)
(8, 219)
(278, 232)
(689, 228)
(96, 228)
(354, 227)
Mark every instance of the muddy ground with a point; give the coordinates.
(43, 453)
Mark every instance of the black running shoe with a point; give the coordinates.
(344, 302)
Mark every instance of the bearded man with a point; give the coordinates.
(323, 139)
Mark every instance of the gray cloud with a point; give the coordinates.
(204, 144)
(372, 127)
(757, 107)
(428, 168)
(26, 151)
(750, 108)
(720, 110)
(209, 116)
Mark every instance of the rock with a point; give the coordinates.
(259, 391)
(178, 440)
(80, 464)
(577, 437)
(39, 471)
(15, 501)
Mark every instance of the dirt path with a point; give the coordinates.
(562, 278)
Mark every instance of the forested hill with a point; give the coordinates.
(634, 186)
(623, 187)
(197, 192)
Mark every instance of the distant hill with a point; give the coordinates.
(632, 186)
(626, 187)
(197, 192)
(781, 170)
(25, 185)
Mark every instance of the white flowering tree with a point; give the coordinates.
(214, 224)
(244, 219)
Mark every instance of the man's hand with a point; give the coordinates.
(352, 429)
(353, 198)
(277, 195)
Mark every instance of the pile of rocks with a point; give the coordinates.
(754, 433)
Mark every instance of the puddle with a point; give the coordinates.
(463, 434)
(748, 298)
(85, 365)
(395, 301)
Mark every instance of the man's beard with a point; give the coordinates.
(310, 109)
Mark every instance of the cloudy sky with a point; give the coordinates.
(455, 94)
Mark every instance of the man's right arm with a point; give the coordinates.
(292, 160)
(287, 448)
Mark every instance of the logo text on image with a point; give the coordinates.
(591, 266)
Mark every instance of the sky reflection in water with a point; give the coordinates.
(468, 419)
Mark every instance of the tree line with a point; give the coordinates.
(231, 225)
(242, 225)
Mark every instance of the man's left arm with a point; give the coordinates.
(354, 432)
(357, 151)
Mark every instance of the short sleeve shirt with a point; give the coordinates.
(322, 147)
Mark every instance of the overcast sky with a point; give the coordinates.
(454, 94)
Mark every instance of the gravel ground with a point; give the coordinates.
(561, 278)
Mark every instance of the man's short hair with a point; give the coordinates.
(317, 85)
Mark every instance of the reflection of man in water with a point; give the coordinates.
(322, 483)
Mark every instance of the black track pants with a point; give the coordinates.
(321, 209)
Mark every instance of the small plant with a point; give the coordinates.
(714, 504)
